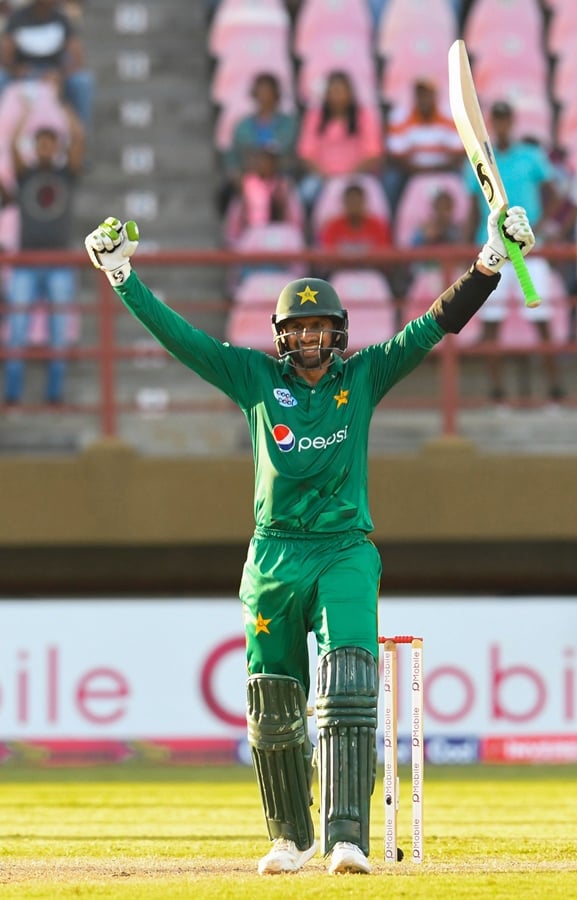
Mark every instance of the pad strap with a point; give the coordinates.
(282, 755)
(347, 688)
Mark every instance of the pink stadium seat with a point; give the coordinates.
(564, 79)
(240, 22)
(250, 326)
(329, 203)
(525, 68)
(278, 237)
(428, 283)
(370, 325)
(347, 53)
(519, 20)
(416, 199)
(567, 128)
(420, 57)
(362, 287)
(404, 21)
(518, 332)
(562, 30)
(330, 17)
(234, 74)
(533, 110)
(260, 288)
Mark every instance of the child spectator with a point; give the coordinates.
(355, 230)
(266, 195)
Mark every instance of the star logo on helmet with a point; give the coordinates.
(342, 398)
(307, 296)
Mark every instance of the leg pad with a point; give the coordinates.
(347, 691)
(282, 755)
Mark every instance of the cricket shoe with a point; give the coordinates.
(348, 857)
(285, 856)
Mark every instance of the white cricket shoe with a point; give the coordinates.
(348, 857)
(285, 856)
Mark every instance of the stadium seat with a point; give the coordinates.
(371, 324)
(421, 57)
(404, 21)
(564, 79)
(362, 287)
(330, 17)
(533, 110)
(260, 288)
(347, 53)
(567, 129)
(279, 237)
(250, 326)
(329, 203)
(240, 21)
(562, 29)
(427, 285)
(415, 202)
(525, 67)
(234, 74)
(519, 20)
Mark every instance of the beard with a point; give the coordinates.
(314, 357)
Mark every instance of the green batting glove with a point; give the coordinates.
(110, 247)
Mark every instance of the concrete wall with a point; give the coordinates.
(112, 520)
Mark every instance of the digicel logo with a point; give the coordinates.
(286, 440)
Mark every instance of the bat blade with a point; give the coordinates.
(472, 130)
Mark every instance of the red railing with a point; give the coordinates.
(107, 352)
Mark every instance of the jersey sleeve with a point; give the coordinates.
(230, 369)
(393, 360)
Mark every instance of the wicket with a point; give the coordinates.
(391, 777)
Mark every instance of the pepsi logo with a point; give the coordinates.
(285, 439)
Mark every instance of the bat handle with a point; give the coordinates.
(532, 298)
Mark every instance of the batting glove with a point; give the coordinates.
(515, 227)
(110, 247)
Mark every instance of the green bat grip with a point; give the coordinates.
(532, 298)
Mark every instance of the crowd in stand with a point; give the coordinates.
(343, 171)
(46, 100)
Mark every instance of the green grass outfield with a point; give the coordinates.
(153, 833)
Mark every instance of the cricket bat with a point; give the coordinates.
(473, 132)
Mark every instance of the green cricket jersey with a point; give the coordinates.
(310, 443)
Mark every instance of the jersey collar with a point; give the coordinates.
(335, 369)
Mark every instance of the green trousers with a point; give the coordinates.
(293, 586)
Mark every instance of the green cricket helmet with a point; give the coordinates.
(310, 297)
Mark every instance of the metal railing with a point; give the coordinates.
(107, 352)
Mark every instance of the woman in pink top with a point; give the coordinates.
(338, 138)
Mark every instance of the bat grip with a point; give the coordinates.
(532, 298)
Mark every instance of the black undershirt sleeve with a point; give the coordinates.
(459, 303)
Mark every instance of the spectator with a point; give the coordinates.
(45, 189)
(355, 230)
(266, 195)
(268, 125)
(559, 226)
(424, 140)
(39, 42)
(440, 226)
(338, 138)
(527, 173)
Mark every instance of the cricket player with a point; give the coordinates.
(311, 566)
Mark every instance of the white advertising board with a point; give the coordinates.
(175, 668)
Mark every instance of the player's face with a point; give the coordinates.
(308, 340)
